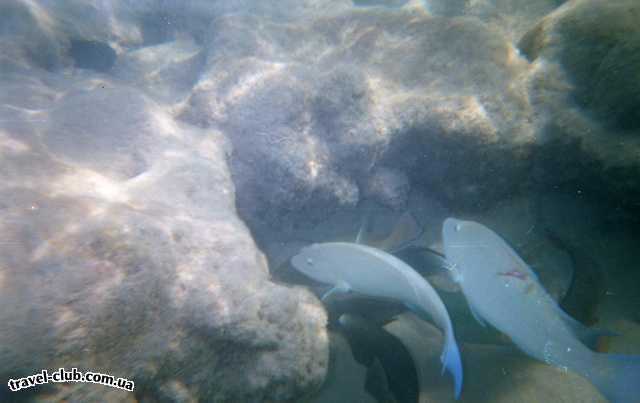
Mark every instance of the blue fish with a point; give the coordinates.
(375, 273)
(502, 290)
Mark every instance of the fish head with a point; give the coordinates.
(317, 263)
(460, 240)
(459, 231)
(471, 247)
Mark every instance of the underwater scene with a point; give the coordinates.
(320, 201)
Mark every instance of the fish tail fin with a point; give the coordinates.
(451, 362)
(616, 376)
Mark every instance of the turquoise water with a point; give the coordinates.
(162, 161)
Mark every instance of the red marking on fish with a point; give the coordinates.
(514, 273)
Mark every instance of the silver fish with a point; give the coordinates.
(375, 273)
(502, 290)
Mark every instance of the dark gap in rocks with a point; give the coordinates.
(92, 55)
(464, 176)
(45, 56)
(561, 166)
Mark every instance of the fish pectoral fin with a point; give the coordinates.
(341, 287)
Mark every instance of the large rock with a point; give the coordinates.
(313, 106)
(389, 188)
(584, 84)
(166, 71)
(598, 44)
(513, 17)
(26, 39)
(120, 251)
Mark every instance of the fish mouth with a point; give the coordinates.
(450, 227)
(450, 221)
(297, 261)
(303, 260)
(453, 223)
